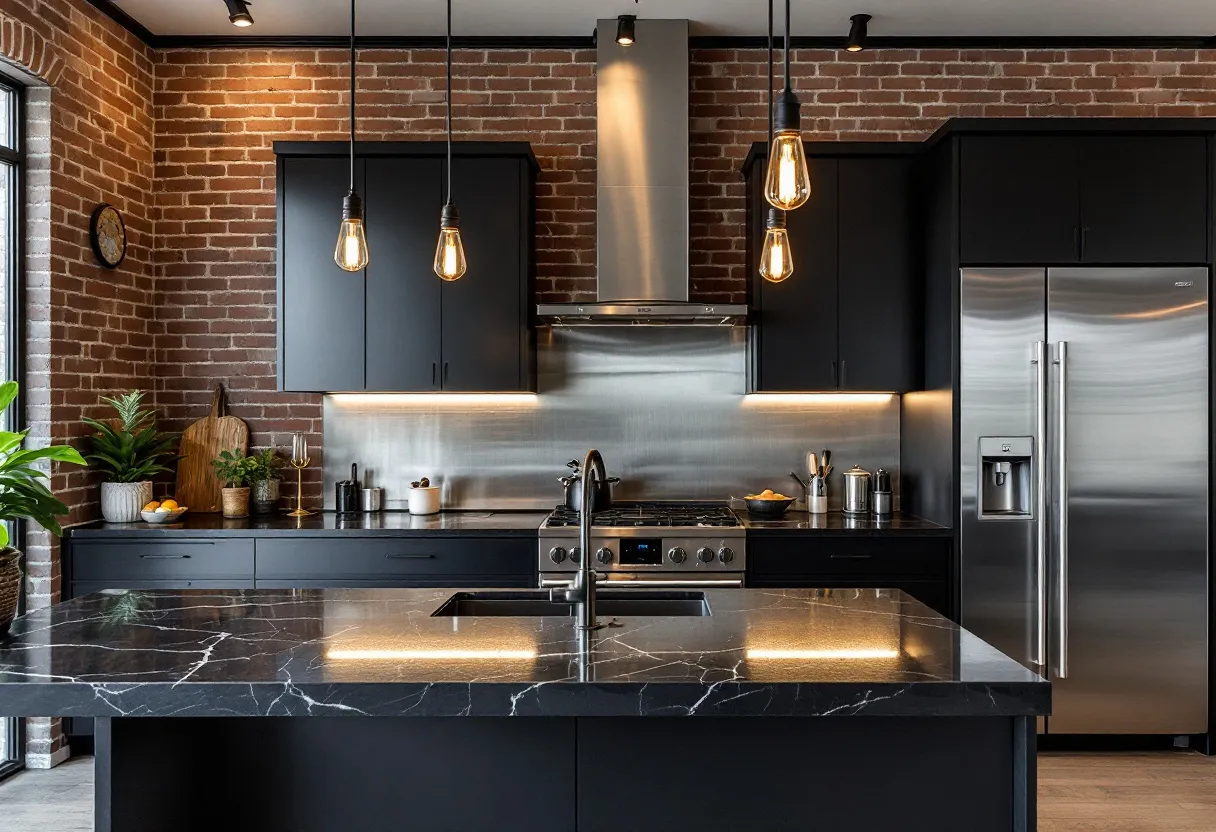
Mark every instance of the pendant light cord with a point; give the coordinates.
(770, 72)
(449, 115)
(787, 44)
(352, 95)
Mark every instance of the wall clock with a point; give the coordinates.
(108, 235)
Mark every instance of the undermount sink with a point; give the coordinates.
(623, 603)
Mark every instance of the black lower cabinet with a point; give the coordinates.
(920, 566)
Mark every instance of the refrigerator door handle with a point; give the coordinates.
(1061, 513)
(1039, 359)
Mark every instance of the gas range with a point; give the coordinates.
(648, 543)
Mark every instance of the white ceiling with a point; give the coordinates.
(709, 17)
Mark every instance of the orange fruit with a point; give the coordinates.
(169, 505)
(152, 506)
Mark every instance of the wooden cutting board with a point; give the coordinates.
(197, 486)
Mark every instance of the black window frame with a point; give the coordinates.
(12, 758)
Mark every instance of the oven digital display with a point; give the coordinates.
(638, 551)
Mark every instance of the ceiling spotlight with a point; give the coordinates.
(858, 32)
(238, 12)
(625, 29)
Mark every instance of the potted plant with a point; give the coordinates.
(130, 450)
(264, 479)
(235, 471)
(23, 494)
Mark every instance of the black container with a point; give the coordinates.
(881, 498)
(347, 497)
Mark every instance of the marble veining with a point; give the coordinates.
(381, 653)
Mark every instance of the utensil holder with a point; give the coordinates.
(817, 496)
(373, 499)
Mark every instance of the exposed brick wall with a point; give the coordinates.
(218, 112)
(89, 330)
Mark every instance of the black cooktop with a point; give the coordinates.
(687, 515)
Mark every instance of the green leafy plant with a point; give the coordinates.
(130, 448)
(234, 469)
(265, 466)
(22, 490)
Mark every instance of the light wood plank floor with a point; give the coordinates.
(1128, 792)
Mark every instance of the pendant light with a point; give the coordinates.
(351, 252)
(449, 253)
(776, 260)
(787, 184)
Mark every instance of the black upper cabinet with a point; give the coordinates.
(397, 327)
(485, 312)
(1144, 199)
(321, 312)
(794, 342)
(1102, 199)
(879, 320)
(403, 324)
(849, 317)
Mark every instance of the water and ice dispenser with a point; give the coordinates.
(1006, 477)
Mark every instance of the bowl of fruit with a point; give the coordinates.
(163, 511)
(767, 503)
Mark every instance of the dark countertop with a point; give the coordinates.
(322, 524)
(289, 653)
(835, 522)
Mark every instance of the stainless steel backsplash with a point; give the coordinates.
(665, 406)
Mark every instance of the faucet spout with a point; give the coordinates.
(582, 593)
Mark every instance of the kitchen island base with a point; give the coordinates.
(559, 774)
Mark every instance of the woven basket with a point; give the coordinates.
(235, 501)
(10, 586)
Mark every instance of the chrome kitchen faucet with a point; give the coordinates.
(582, 593)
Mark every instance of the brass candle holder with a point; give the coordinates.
(299, 461)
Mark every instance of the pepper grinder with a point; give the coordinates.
(347, 495)
(882, 493)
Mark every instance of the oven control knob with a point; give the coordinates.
(576, 554)
(705, 555)
(604, 555)
(676, 554)
(726, 554)
(557, 554)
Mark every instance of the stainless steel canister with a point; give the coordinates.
(882, 493)
(856, 490)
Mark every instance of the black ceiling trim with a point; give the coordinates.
(112, 11)
(386, 42)
(968, 42)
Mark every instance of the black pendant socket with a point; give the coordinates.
(450, 217)
(787, 113)
(776, 219)
(858, 32)
(625, 29)
(352, 207)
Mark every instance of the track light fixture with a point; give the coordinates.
(858, 32)
(625, 29)
(238, 12)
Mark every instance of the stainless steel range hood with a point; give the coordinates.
(642, 270)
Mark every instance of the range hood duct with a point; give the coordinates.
(642, 137)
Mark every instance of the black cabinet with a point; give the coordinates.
(849, 317)
(920, 566)
(396, 327)
(1101, 199)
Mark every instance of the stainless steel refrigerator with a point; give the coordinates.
(1084, 432)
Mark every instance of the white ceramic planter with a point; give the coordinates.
(424, 500)
(121, 501)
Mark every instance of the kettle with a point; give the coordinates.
(856, 490)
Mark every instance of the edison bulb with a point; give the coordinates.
(787, 183)
(351, 252)
(776, 259)
(449, 255)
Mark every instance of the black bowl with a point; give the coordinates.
(768, 508)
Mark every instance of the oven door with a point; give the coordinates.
(651, 580)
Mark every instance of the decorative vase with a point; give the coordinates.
(236, 501)
(265, 496)
(121, 502)
(10, 586)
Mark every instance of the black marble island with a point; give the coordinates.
(859, 710)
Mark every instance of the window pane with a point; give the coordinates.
(7, 263)
(8, 133)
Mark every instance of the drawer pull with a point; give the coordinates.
(850, 557)
(165, 557)
(410, 557)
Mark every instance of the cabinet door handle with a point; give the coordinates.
(445, 372)
(165, 557)
(1084, 231)
(409, 557)
(850, 557)
(843, 373)
(835, 376)
(434, 373)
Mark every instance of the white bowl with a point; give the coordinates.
(424, 500)
(162, 516)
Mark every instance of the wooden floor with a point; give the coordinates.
(1128, 792)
